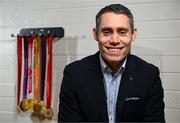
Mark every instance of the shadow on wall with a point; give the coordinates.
(65, 51)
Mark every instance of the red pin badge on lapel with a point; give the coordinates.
(131, 78)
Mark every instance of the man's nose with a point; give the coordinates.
(114, 38)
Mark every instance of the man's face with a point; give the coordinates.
(114, 37)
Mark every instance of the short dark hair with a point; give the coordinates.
(117, 9)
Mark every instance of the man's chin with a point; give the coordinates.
(115, 59)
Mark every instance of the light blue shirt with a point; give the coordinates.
(111, 84)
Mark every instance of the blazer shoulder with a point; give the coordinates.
(141, 63)
(80, 64)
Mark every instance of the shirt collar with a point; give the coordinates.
(106, 68)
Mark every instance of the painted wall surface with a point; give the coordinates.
(158, 42)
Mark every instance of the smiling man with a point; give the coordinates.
(112, 85)
(114, 35)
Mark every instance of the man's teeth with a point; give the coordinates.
(114, 49)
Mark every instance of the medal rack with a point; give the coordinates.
(36, 45)
(57, 32)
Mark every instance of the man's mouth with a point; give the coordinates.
(114, 49)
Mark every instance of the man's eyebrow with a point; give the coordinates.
(123, 29)
(106, 29)
(110, 29)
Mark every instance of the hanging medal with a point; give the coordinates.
(36, 73)
(23, 104)
(30, 100)
(19, 59)
(49, 112)
(42, 73)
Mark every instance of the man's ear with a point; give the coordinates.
(134, 34)
(95, 34)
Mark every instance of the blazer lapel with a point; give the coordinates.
(97, 86)
(129, 76)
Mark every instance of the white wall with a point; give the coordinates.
(158, 41)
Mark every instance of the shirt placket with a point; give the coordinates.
(112, 95)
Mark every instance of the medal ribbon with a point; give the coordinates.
(43, 65)
(30, 46)
(49, 73)
(25, 78)
(19, 58)
(36, 67)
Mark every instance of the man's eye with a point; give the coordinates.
(123, 33)
(106, 33)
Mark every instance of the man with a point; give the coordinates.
(112, 85)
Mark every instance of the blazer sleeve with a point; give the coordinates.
(154, 107)
(69, 109)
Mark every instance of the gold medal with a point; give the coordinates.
(23, 105)
(30, 103)
(48, 113)
(43, 109)
(38, 106)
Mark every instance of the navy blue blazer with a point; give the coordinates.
(83, 97)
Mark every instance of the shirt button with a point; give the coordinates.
(110, 118)
(111, 101)
(113, 82)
